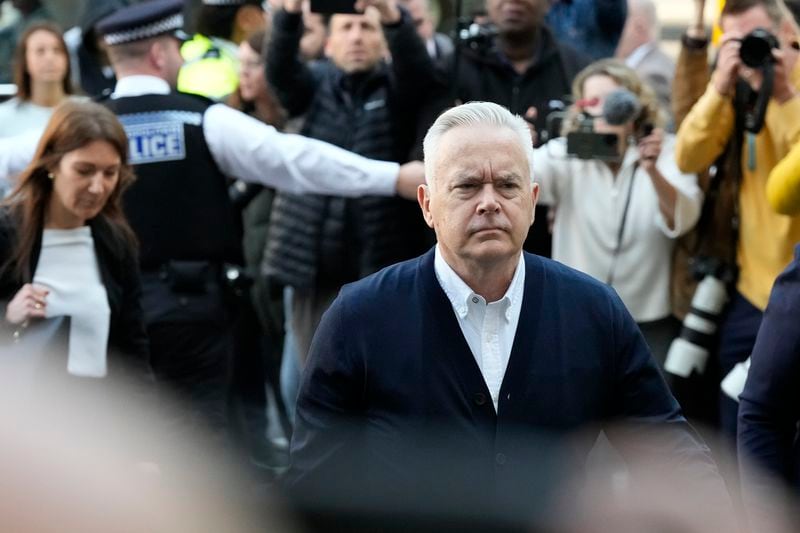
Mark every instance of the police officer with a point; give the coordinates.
(182, 148)
(211, 65)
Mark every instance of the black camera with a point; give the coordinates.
(331, 7)
(757, 46)
(585, 143)
(474, 35)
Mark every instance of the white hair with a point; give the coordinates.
(647, 11)
(475, 115)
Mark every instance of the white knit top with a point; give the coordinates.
(68, 268)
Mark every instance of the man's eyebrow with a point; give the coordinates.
(508, 176)
(465, 176)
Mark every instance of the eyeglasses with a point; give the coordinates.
(251, 64)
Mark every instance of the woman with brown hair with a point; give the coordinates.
(66, 248)
(253, 95)
(618, 215)
(42, 75)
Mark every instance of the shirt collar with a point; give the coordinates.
(637, 55)
(140, 84)
(460, 294)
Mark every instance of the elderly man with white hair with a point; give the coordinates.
(639, 48)
(455, 358)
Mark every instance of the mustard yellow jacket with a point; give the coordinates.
(766, 238)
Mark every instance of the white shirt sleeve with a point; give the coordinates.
(689, 201)
(250, 150)
(549, 166)
(16, 153)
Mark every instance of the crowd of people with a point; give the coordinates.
(314, 233)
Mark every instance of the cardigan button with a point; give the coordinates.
(500, 459)
(479, 398)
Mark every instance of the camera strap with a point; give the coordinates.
(754, 118)
(621, 231)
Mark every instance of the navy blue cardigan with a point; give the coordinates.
(769, 409)
(391, 378)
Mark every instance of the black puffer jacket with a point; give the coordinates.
(486, 75)
(326, 240)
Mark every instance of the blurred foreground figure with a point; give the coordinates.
(486, 358)
(664, 499)
(71, 461)
(769, 410)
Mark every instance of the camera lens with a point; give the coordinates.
(757, 47)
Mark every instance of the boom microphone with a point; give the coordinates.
(621, 107)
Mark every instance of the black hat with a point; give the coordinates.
(143, 21)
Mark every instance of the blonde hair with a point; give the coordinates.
(627, 78)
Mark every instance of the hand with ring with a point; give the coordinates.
(29, 302)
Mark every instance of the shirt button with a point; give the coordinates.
(183, 301)
(479, 398)
(500, 459)
(474, 299)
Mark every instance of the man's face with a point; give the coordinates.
(355, 42)
(516, 16)
(635, 33)
(481, 204)
(746, 21)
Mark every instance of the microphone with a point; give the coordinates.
(621, 107)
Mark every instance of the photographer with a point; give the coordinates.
(616, 218)
(717, 125)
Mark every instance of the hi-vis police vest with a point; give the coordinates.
(211, 67)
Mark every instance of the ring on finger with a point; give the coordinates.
(37, 305)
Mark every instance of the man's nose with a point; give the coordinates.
(356, 33)
(487, 200)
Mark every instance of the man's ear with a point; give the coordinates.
(534, 199)
(424, 201)
(156, 54)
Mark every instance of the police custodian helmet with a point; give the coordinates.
(143, 21)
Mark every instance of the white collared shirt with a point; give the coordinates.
(489, 328)
(638, 55)
(250, 150)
